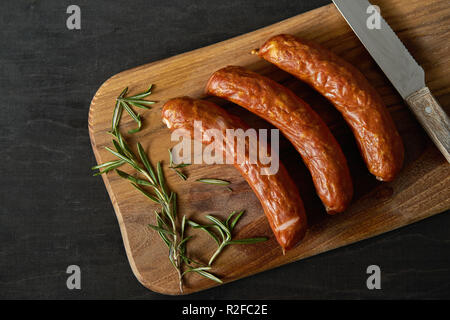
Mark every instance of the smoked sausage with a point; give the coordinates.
(298, 122)
(350, 92)
(277, 193)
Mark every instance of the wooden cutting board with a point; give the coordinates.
(421, 190)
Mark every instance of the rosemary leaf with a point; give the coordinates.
(236, 219)
(136, 129)
(118, 112)
(204, 228)
(219, 229)
(170, 158)
(118, 147)
(103, 171)
(133, 115)
(218, 251)
(219, 224)
(209, 276)
(137, 105)
(214, 181)
(124, 146)
(142, 95)
(185, 259)
(125, 175)
(197, 269)
(181, 165)
(174, 204)
(133, 179)
(172, 259)
(146, 162)
(145, 193)
(116, 116)
(120, 156)
(174, 168)
(227, 222)
(161, 224)
(142, 103)
(180, 174)
(126, 159)
(189, 261)
(160, 173)
(160, 220)
(164, 238)
(107, 164)
(183, 224)
(160, 195)
(157, 228)
(182, 242)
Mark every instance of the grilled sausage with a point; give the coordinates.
(298, 122)
(350, 92)
(277, 193)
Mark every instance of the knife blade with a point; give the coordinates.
(406, 75)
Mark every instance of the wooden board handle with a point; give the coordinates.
(433, 119)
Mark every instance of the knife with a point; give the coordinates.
(402, 70)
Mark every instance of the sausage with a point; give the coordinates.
(298, 122)
(350, 92)
(277, 193)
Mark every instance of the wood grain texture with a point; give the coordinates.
(433, 118)
(421, 190)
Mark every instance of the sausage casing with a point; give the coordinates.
(350, 92)
(277, 193)
(298, 122)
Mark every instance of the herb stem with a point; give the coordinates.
(217, 252)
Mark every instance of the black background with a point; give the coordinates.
(54, 213)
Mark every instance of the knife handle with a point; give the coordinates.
(432, 118)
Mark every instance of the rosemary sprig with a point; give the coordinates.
(123, 102)
(171, 231)
(167, 224)
(176, 167)
(225, 230)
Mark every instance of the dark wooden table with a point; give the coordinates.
(55, 214)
